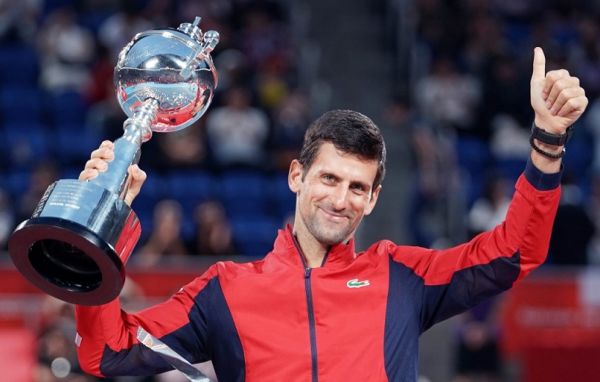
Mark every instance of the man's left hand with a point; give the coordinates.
(556, 97)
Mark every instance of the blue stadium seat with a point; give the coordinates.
(282, 198)
(21, 104)
(190, 187)
(18, 65)
(254, 236)
(74, 146)
(16, 183)
(474, 158)
(26, 144)
(245, 193)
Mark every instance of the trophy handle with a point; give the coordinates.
(138, 129)
(171, 356)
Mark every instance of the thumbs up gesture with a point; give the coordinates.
(556, 97)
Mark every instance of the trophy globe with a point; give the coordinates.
(78, 239)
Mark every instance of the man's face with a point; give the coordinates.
(333, 194)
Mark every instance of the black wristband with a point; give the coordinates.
(545, 153)
(549, 138)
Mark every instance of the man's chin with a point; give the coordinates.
(333, 238)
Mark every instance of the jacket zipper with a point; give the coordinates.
(311, 312)
(311, 323)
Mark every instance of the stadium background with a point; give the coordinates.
(447, 81)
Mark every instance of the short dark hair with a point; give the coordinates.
(350, 132)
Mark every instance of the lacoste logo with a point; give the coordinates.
(354, 283)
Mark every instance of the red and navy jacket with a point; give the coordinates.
(357, 317)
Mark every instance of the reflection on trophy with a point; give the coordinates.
(76, 243)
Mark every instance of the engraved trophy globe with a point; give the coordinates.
(78, 239)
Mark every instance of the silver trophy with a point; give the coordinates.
(76, 243)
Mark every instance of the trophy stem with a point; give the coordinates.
(127, 148)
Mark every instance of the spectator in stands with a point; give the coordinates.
(66, 51)
(116, 31)
(449, 97)
(489, 210)
(478, 354)
(182, 149)
(166, 238)
(214, 235)
(18, 21)
(262, 36)
(573, 229)
(238, 132)
(289, 125)
(436, 182)
(56, 357)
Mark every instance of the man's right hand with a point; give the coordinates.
(99, 163)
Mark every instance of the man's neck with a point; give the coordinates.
(313, 251)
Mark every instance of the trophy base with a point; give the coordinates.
(76, 255)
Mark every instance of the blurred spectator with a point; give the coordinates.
(484, 40)
(42, 176)
(584, 55)
(436, 176)
(6, 219)
(214, 234)
(449, 97)
(573, 229)
(478, 356)
(489, 210)
(66, 51)
(18, 20)
(166, 238)
(271, 85)
(100, 87)
(238, 132)
(505, 91)
(182, 149)
(262, 36)
(120, 28)
(233, 69)
(57, 359)
(291, 120)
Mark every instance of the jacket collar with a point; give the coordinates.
(287, 251)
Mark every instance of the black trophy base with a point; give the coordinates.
(67, 261)
(77, 242)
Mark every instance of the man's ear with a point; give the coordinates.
(373, 200)
(295, 176)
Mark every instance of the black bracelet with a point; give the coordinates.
(545, 153)
(550, 138)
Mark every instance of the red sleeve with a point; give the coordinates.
(107, 335)
(458, 278)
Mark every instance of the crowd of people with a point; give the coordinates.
(63, 103)
(468, 112)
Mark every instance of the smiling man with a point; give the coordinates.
(315, 310)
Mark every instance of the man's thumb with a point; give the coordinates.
(539, 65)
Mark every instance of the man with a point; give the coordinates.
(313, 309)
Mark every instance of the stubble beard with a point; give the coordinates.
(324, 235)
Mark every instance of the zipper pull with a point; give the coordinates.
(307, 272)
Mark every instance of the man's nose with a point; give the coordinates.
(340, 198)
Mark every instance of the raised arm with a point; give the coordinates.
(453, 280)
(106, 335)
